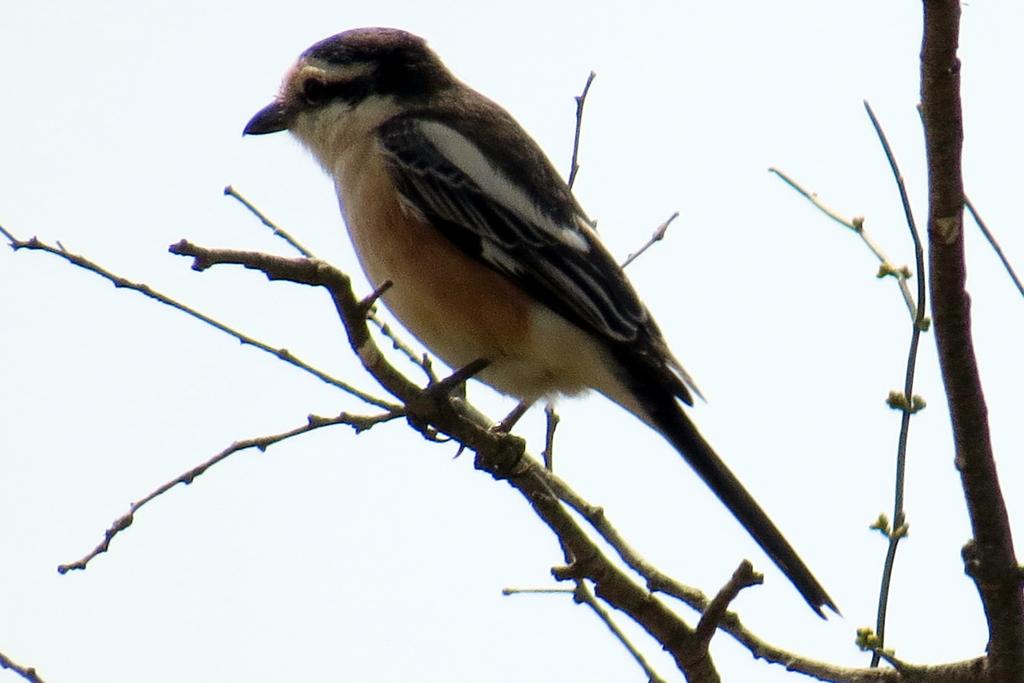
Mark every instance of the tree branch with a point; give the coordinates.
(504, 457)
(990, 557)
(34, 244)
(581, 101)
(501, 455)
(906, 401)
(856, 224)
(26, 672)
(358, 422)
(1007, 266)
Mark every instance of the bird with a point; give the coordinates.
(489, 255)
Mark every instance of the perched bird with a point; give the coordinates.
(490, 256)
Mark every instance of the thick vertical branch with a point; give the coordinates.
(990, 556)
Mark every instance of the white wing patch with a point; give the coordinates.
(499, 257)
(468, 158)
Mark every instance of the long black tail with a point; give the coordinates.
(668, 418)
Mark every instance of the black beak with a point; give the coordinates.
(273, 118)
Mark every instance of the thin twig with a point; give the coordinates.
(994, 244)
(656, 236)
(369, 311)
(856, 224)
(371, 299)
(358, 422)
(899, 515)
(516, 414)
(278, 231)
(455, 383)
(146, 290)
(581, 592)
(26, 672)
(907, 211)
(536, 591)
(743, 577)
(656, 580)
(581, 100)
(420, 360)
(584, 595)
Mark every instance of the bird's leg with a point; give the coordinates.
(549, 436)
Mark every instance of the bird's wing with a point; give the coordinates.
(529, 229)
(542, 242)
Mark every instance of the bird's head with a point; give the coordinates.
(349, 83)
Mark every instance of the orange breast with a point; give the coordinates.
(460, 309)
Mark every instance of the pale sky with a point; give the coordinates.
(379, 557)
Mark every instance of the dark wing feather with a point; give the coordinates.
(542, 247)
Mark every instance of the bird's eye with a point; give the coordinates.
(313, 90)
